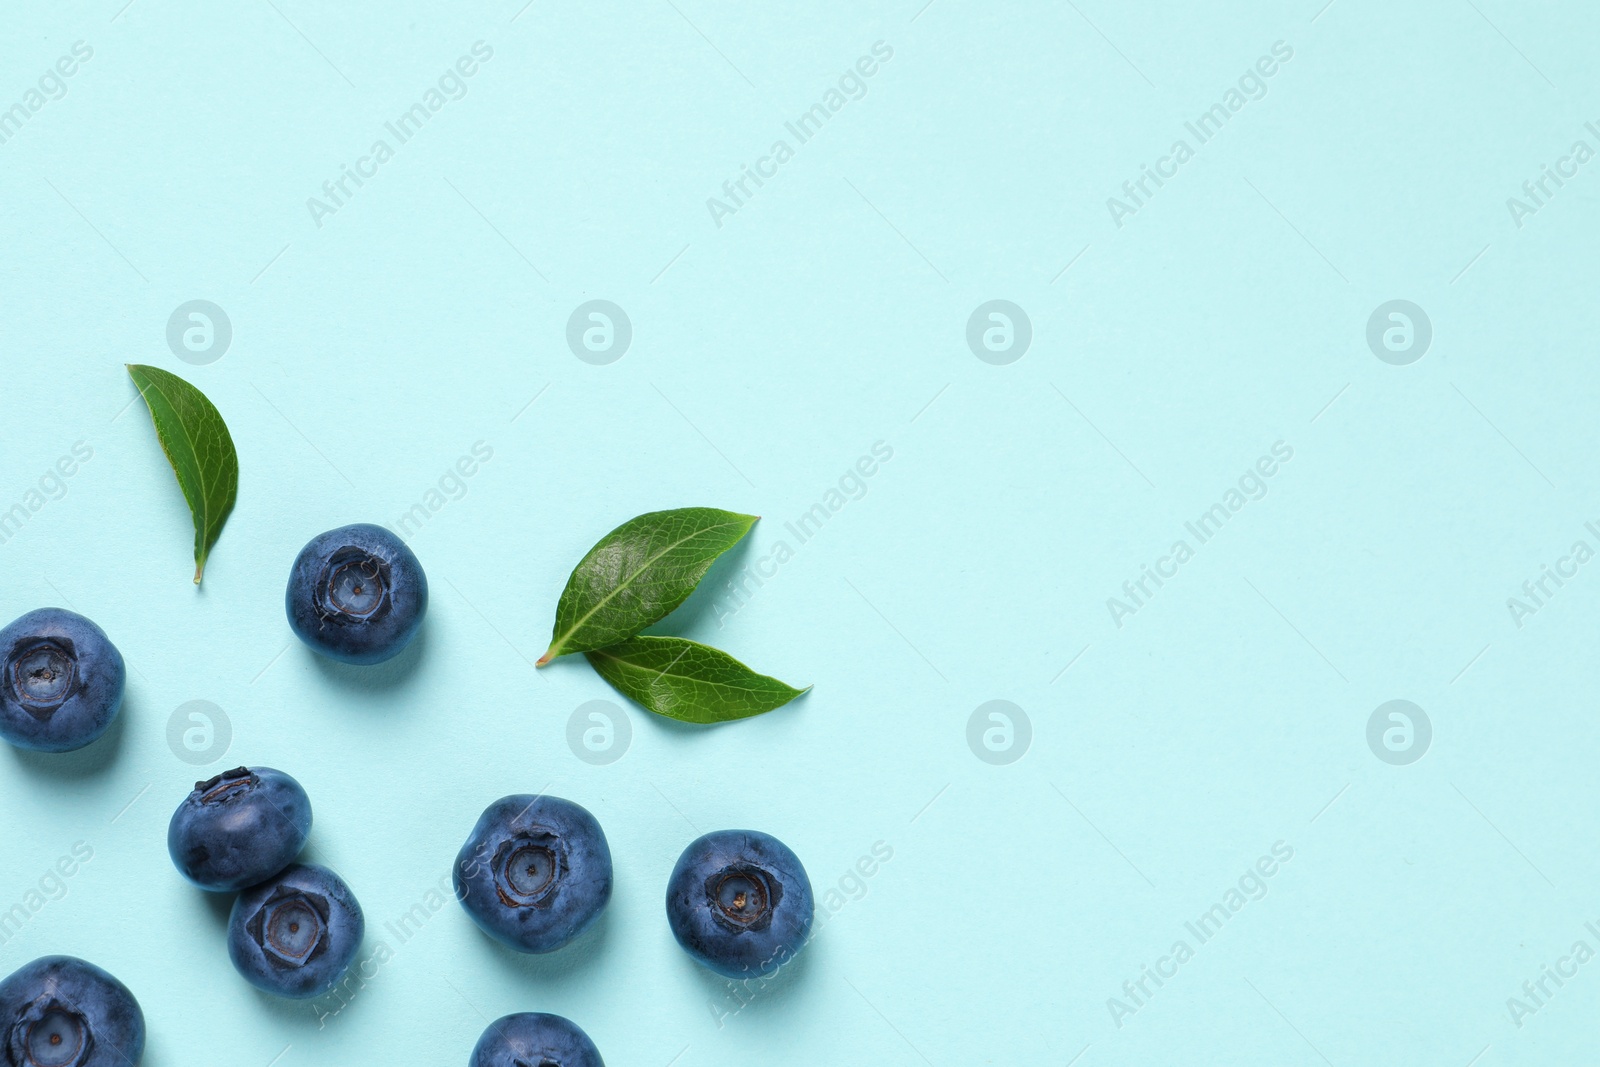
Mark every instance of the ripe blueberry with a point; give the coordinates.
(239, 828)
(535, 873)
(63, 1012)
(356, 594)
(740, 902)
(296, 934)
(63, 681)
(534, 1039)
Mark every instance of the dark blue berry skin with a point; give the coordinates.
(296, 934)
(63, 1012)
(239, 828)
(63, 681)
(740, 902)
(356, 594)
(534, 1039)
(535, 873)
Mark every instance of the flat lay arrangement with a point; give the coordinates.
(536, 871)
(909, 532)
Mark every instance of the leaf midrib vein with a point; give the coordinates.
(627, 582)
(194, 456)
(668, 673)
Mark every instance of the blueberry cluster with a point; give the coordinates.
(534, 874)
(294, 927)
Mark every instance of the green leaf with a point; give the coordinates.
(638, 573)
(200, 449)
(688, 681)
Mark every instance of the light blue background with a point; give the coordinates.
(768, 354)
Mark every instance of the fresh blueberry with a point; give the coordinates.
(63, 681)
(63, 1012)
(296, 934)
(357, 594)
(740, 902)
(239, 828)
(535, 873)
(534, 1039)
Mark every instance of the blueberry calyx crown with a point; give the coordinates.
(227, 785)
(43, 674)
(528, 869)
(50, 1033)
(353, 587)
(743, 897)
(291, 927)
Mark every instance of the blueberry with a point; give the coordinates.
(296, 934)
(63, 1012)
(63, 681)
(357, 594)
(534, 1039)
(740, 902)
(535, 873)
(239, 828)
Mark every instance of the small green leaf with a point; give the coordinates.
(688, 681)
(638, 573)
(200, 449)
